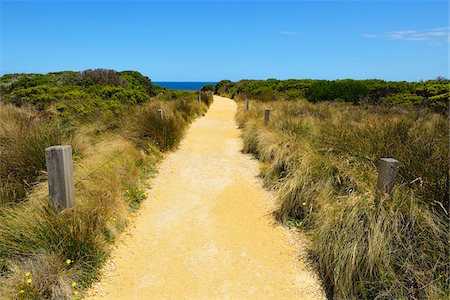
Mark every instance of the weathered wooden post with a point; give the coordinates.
(387, 173)
(161, 113)
(247, 103)
(198, 98)
(60, 176)
(267, 116)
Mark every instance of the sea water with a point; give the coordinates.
(178, 85)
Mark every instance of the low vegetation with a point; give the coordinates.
(433, 94)
(322, 160)
(78, 95)
(117, 136)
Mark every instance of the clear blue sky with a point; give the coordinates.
(214, 40)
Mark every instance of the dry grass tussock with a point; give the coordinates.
(323, 158)
(32, 234)
(23, 139)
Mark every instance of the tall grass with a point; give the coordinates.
(147, 125)
(23, 139)
(32, 233)
(323, 158)
(115, 157)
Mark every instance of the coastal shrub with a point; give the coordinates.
(103, 77)
(137, 81)
(207, 88)
(432, 93)
(78, 95)
(348, 90)
(223, 87)
(439, 102)
(408, 99)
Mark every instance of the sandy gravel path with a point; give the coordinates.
(205, 231)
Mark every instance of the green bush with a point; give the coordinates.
(102, 77)
(78, 94)
(440, 102)
(348, 90)
(207, 88)
(431, 93)
(223, 87)
(407, 99)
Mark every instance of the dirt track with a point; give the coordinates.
(205, 231)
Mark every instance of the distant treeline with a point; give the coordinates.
(78, 93)
(432, 93)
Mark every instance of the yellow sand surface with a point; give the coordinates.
(206, 230)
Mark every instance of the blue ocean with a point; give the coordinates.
(177, 85)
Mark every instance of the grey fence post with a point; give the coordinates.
(60, 176)
(198, 98)
(387, 173)
(266, 116)
(161, 113)
(247, 103)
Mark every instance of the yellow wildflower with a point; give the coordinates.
(304, 203)
(74, 284)
(68, 261)
(75, 293)
(21, 291)
(27, 274)
(29, 280)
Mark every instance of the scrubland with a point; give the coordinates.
(322, 160)
(110, 119)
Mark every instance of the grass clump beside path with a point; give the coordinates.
(322, 159)
(48, 255)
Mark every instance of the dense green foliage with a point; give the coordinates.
(223, 87)
(431, 93)
(78, 94)
(322, 158)
(207, 88)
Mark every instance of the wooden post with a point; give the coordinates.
(199, 97)
(60, 176)
(161, 113)
(247, 103)
(266, 116)
(387, 173)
